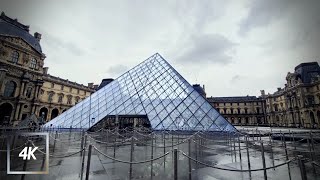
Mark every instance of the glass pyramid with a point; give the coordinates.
(153, 88)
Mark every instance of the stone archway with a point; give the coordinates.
(54, 113)
(5, 113)
(43, 113)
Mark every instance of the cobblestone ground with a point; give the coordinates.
(222, 151)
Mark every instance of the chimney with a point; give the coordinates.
(45, 70)
(279, 89)
(90, 85)
(262, 93)
(37, 36)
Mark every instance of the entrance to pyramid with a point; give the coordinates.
(122, 122)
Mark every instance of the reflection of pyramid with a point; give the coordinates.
(153, 88)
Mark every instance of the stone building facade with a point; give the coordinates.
(298, 103)
(241, 110)
(24, 83)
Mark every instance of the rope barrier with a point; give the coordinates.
(236, 170)
(58, 156)
(60, 140)
(128, 162)
(14, 148)
(315, 163)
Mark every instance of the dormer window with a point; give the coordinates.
(15, 57)
(33, 63)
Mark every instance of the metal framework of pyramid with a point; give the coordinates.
(153, 88)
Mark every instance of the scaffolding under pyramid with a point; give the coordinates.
(152, 88)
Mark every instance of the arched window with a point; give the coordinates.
(29, 92)
(50, 97)
(60, 98)
(14, 56)
(69, 99)
(10, 89)
(33, 63)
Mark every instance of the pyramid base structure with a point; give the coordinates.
(153, 90)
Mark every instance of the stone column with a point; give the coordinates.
(22, 88)
(36, 93)
(16, 116)
(3, 73)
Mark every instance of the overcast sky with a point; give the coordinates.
(233, 47)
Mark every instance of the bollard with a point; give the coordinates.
(248, 156)
(55, 139)
(88, 162)
(83, 156)
(13, 142)
(189, 160)
(312, 153)
(43, 161)
(82, 139)
(131, 158)
(25, 162)
(263, 162)
(151, 158)
(196, 150)
(287, 158)
(239, 148)
(234, 148)
(175, 160)
(302, 168)
(114, 149)
(164, 151)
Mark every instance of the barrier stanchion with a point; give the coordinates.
(54, 142)
(287, 158)
(312, 153)
(88, 162)
(82, 141)
(302, 168)
(189, 160)
(25, 162)
(151, 157)
(239, 149)
(175, 167)
(264, 162)
(83, 156)
(164, 151)
(131, 158)
(248, 156)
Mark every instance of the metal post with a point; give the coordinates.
(189, 160)
(82, 141)
(55, 139)
(248, 156)
(287, 158)
(43, 160)
(88, 162)
(84, 156)
(239, 148)
(151, 157)
(312, 153)
(175, 160)
(234, 148)
(25, 162)
(302, 168)
(131, 158)
(263, 162)
(114, 148)
(164, 151)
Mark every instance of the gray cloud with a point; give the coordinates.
(207, 48)
(56, 43)
(262, 13)
(236, 78)
(117, 70)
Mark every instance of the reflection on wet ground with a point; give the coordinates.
(200, 156)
